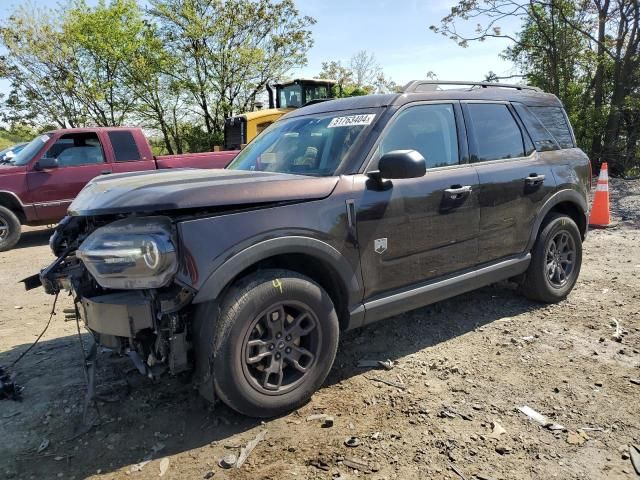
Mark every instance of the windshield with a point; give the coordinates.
(310, 145)
(26, 154)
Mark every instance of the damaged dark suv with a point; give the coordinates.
(342, 213)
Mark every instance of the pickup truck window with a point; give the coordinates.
(76, 149)
(310, 145)
(27, 153)
(124, 146)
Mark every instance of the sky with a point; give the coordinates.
(396, 32)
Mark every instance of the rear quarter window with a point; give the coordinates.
(124, 146)
(555, 122)
(542, 138)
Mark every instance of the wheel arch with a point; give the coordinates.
(10, 201)
(308, 256)
(568, 202)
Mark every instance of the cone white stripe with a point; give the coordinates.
(604, 175)
(602, 187)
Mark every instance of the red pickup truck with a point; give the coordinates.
(39, 183)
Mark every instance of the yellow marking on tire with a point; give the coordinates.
(277, 284)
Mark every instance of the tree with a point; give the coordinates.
(363, 76)
(586, 52)
(365, 69)
(38, 63)
(229, 50)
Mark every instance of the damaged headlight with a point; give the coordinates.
(132, 253)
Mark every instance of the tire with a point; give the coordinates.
(256, 338)
(10, 229)
(543, 281)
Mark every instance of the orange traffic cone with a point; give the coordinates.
(600, 209)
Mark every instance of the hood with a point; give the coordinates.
(165, 190)
(6, 168)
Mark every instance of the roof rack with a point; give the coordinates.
(414, 85)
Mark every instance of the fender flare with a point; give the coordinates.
(219, 278)
(562, 196)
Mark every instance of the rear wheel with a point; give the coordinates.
(556, 259)
(10, 229)
(275, 342)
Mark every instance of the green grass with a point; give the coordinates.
(6, 139)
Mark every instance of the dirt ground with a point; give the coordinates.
(465, 366)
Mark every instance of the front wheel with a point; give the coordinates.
(556, 259)
(275, 342)
(10, 229)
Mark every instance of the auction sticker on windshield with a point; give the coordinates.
(352, 120)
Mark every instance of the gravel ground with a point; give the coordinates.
(461, 368)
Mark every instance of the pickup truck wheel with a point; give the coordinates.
(555, 261)
(275, 342)
(9, 229)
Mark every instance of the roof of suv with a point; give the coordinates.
(528, 96)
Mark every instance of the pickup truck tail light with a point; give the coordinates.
(133, 253)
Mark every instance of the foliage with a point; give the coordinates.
(363, 76)
(230, 50)
(587, 52)
(178, 69)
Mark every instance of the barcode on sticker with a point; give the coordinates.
(352, 120)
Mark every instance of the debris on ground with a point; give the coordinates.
(246, 451)
(401, 386)
(228, 461)
(8, 388)
(457, 472)
(617, 335)
(319, 464)
(576, 438)
(43, 445)
(352, 442)
(327, 422)
(386, 364)
(164, 466)
(635, 381)
(139, 466)
(541, 419)
(497, 430)
(360, 466)
(634, 454)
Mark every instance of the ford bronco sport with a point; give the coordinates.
(341, 214)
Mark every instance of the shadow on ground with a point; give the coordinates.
(34, 238)
(171, 412)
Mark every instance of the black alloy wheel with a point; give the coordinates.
(281, 347)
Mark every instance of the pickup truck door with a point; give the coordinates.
(80, 157)
(130, 152)
(418, 229)
(515, 180)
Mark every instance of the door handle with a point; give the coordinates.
(534, 179)
(105, 172)
(456, 192)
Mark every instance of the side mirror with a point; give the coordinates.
(9, 155)
(46, 163)
(400, 164)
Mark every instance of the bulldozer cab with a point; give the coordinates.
(299, 92)
(283, 97)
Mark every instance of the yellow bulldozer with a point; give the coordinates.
(241, 129)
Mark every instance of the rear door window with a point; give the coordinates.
(496, 133)
(554, 120)
(124, 146)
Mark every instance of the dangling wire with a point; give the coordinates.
(53, 312)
